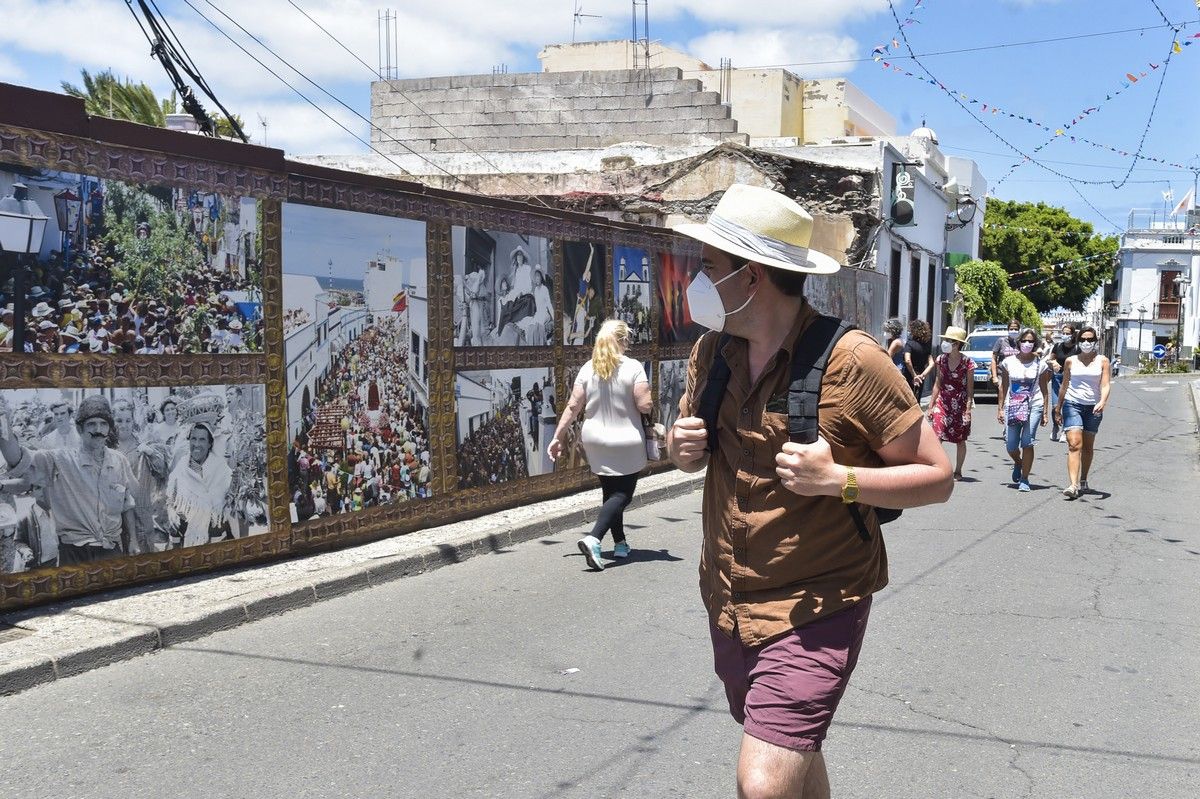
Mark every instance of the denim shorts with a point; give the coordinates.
(1081, 417)
(1022, 436)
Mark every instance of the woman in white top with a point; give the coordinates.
(1021, 403)
(1080, 407)
(616, 393)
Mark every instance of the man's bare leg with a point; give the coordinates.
(767, 771)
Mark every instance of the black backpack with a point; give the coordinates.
(804, 396)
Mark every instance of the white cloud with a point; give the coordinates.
(10, 71)
(779, 46)
(813, 15)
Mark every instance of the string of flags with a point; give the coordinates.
(1055, 231)
(881, 51)
(1079, 263)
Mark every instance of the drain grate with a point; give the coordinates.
(10, 633)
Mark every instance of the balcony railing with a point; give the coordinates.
(1167, 310)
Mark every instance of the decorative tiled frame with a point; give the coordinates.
(271, 188)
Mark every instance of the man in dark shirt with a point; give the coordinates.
(1065, 346)
(1004, 347)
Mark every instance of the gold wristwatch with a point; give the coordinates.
(850, 489)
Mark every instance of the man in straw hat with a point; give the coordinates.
(87, 486)
(785, 574)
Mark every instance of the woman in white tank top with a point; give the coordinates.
(1080, 408)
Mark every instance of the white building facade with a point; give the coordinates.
(1156, 294)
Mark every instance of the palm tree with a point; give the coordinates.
(105, 95)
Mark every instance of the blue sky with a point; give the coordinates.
(46, 41)
(314, 236)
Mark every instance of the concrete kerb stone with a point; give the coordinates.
(92, 639)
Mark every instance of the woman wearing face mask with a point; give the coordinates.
(916, 355)
(1021, 404)
(1080, 405)
(894, 331)
(953, 395)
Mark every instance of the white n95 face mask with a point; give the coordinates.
(1087, 347)
(946, 346)
(704, 303)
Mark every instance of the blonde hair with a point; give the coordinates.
(610, 341)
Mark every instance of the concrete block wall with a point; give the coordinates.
(546, 111)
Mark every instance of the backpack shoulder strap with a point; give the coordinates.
(809, 360)
(715, 386)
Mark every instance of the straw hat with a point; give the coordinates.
(763, 226)
(956, 334)
(41, 309)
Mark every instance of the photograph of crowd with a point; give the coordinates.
(583, 292)
(90, 474)
(672, 381)
(356, 343)
(504, 420)
(130, 269)
(631, 276)
(503, 289)
(675, 323)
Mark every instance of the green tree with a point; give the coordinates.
(1015, 305)
(1027, 238)
(106, 95)
(982, 285)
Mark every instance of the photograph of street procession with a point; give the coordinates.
(178, 467)
(505, 419)
(111, 267)
(356, 345)
(503, 289)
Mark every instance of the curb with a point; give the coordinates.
(118, 640)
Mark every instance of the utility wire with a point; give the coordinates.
(989, 129)
(1170, 24)
(954, 52)
(299, 93)
(453, 135)
(457, 179)
(1116, 227)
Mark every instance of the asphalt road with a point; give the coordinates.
(1026, 647)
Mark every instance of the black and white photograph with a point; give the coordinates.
(672, 381)
(583, 292)
(631, 277)
(104, 266)
(356, 342)
(505, 418)
(503, 289)
(94, 473)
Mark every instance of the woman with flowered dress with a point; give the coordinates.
(953, 395)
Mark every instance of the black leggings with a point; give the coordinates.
(618, 492)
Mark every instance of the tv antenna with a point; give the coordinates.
(579, 17)
(262, 120)
(642, 36)
(389, 44)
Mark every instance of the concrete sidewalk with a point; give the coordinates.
(50, 642)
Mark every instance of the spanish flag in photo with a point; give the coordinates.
(400, 302)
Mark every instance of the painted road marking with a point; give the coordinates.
(1155, 388)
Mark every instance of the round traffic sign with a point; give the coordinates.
(1159, 351)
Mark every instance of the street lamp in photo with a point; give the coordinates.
(22, 226)
(68, 207)
(1181, 284)
(1141, 319)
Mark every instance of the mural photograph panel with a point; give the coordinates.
(356, 349)
(672, 381)
(178, 467)
(631, 277)
(583, 292)
(505, 418)
(503, 289)
(121, 268)
(675, 323)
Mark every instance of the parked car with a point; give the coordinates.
(979, 349)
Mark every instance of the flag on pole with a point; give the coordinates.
(400, 302)
(1187, 203)
(1168, 195)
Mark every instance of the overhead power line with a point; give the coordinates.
(1116, 227)
(412, 102)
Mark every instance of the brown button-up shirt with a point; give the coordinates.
(773, 560)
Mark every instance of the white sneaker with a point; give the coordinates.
(589, 545)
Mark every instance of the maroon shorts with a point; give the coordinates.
(785, 691)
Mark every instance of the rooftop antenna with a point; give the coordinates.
(579, 17)
(389, 44)
(641, 37)
(262, 120)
